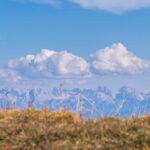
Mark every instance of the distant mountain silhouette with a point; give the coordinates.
(89, 103)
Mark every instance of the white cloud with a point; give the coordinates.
(116, 6)
(50, 63)
(117, 60)
(8, 75)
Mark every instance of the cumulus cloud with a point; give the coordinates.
(114, 5)
(50, 63)
(8, 75)
(117, 60)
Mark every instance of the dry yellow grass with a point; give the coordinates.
(44, 130)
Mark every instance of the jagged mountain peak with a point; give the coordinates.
(128, 92)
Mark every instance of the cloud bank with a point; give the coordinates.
(117, 6)
(51, 64)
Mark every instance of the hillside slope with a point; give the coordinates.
(45, 130)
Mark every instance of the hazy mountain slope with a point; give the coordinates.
(90, 103)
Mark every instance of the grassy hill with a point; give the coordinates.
(62, 130)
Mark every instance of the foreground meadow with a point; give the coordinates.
(44, 130)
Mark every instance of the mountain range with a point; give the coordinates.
(88, 103)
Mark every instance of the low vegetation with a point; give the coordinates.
(44, 130)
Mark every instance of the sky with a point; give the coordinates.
(101, 42)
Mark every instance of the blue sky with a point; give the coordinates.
(26, 28)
